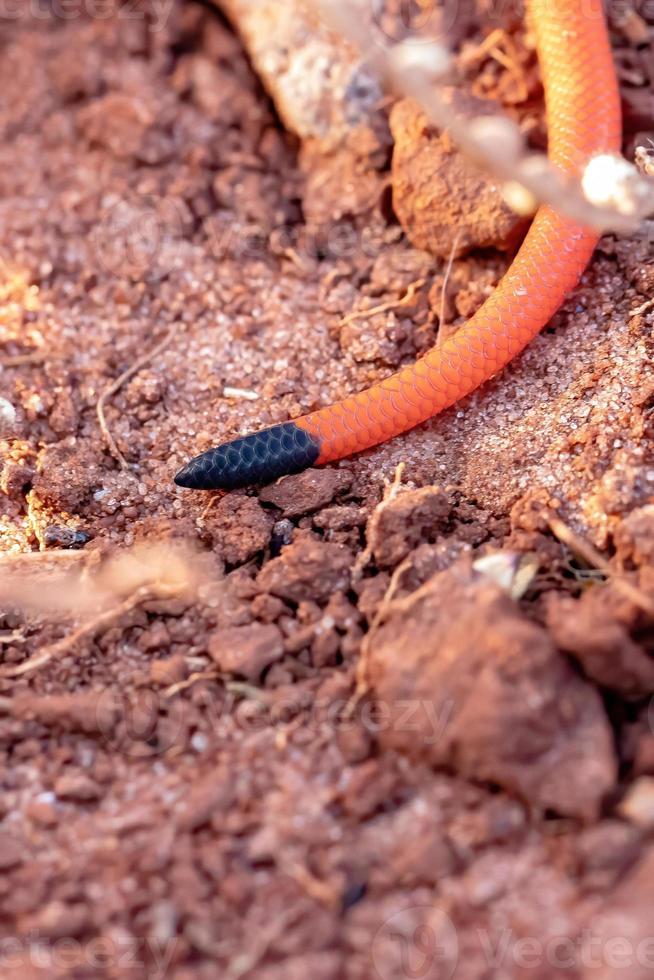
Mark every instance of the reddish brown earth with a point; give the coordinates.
(299, 735)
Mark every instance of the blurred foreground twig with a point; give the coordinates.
(612, 195)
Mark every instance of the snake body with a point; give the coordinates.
(583, 117)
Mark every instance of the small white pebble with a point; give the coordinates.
(199, 742)
(638, 805)
(610, 181)
(7, 418)
(427, 57)
(245, 393)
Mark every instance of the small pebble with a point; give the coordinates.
(8, 418)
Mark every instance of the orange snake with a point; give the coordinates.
(583, 117)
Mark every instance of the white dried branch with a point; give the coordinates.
(615, 197)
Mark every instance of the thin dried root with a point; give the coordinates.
(63, 646)
(442, 331)
(643, 308)
(391, 490)
(17, 360)
(201, 675)
(584, 549)
(393, 304)
(117, 385)
(320, 891)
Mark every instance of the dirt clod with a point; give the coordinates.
(169, 671)
(77, 787)
(307, 569)
(490, 696)
(437, 193)
(624, 921)
(246, 650)
(238, 528)
(12, 852)
(595, 629)
(306, 492)
(634, 538)
(412, 518)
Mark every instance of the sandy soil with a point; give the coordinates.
(190, 787)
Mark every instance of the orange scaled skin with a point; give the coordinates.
(583, 116)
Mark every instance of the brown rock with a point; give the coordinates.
(412, 518)
(268, 608)
(427, 559)
(634, 538)
(78, 787)
(594, 630)
(66, 477)
(42, 813)
(366, 788)
(116, 122)
(337, 184)
(305, 492)
(168, 671)
(246, 650)
(340, 518)
(307, 569)
(354, 743)
(406, 847)
(212, 795)
(57, 920)
(64, 416)
(606, 851)
(239, 528)
(468, 682)
(155, 637)
(638, 804)
(12, 851)
(437, 193)
(86, 711)
(16, 478)
(325, 645)
(387, 337)
(619, 939)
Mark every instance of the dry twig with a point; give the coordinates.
(446, 278)
(63, 646)
(116, 385)
(12, 562)
(201, 675)
(392, 304)
(495, 143)
(17, 360)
